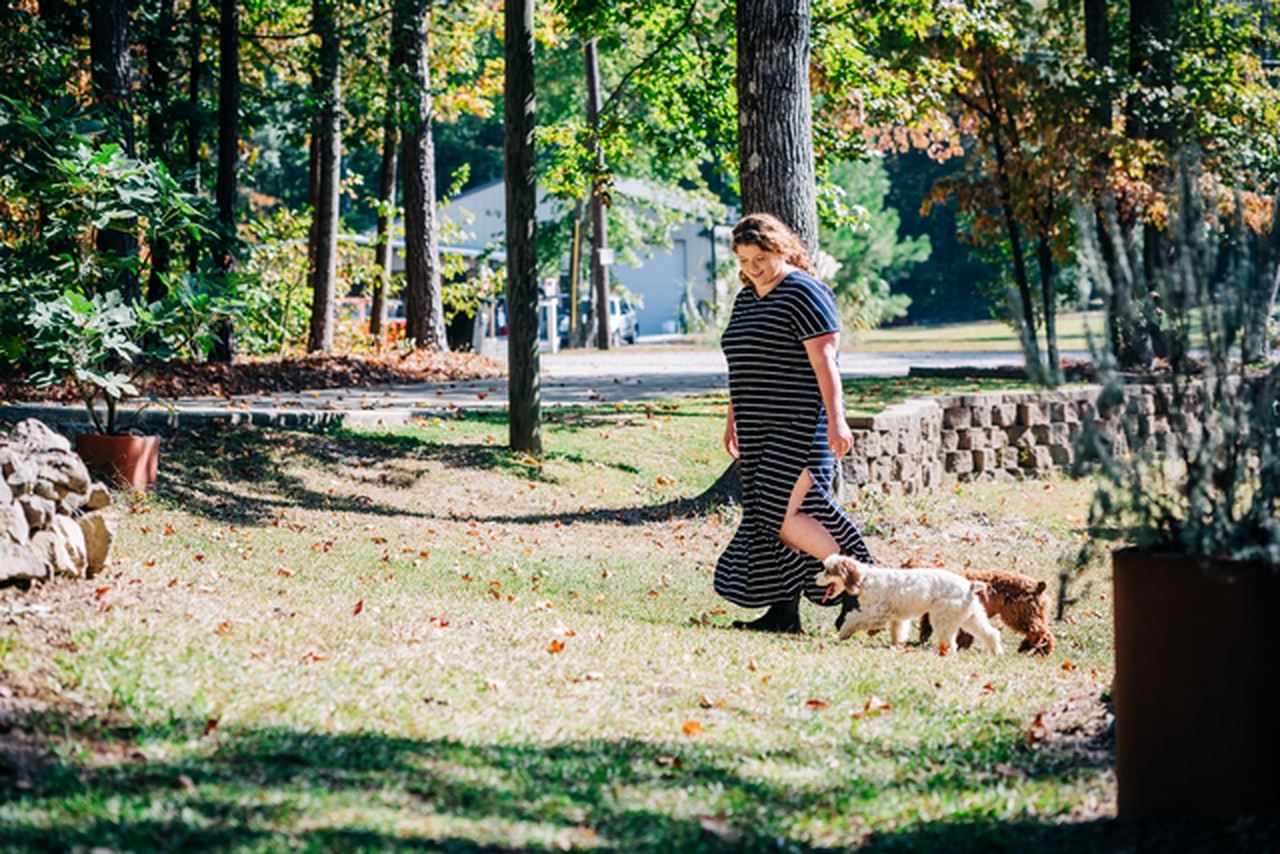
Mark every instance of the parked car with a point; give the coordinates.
(624, 323)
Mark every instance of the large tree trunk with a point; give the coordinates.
(423, 300)
(326, 87)
(775, 130)
(228, 159)
(599, 216)
(523, 364)
(112, 70)
(160, 63)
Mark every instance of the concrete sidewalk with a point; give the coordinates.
(569, 378)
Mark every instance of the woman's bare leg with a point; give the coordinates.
(801, 531)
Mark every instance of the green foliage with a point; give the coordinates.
(871, 255)
(68, 315)
(276, 300)
(1189, 461)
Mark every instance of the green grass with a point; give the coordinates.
(419, 640)
(977, 336)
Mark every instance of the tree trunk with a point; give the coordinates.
(1049, 296)
(423, 300)
(160, 62)
(193, 128)
(326, 87)
(386, 217)
(228, 159)
(112, 71)
(775, 130)
(523, 364)
(599, 219)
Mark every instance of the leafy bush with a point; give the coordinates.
(1189, 458)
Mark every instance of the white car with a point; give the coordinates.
(624, 323)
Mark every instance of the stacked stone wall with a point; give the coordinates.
(925, 442)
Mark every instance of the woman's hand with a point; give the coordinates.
(839, 436)
(731, 435)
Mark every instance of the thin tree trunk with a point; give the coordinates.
(1049, 297)
(775, 130)
(423, 299)
(523, 363)
(112, 72)
(160, 63)
(328, 163)
(196, 69)
(386, 218)
(599, 216)
(228, 159)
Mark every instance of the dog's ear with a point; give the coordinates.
(851, 576)
(1040, 588)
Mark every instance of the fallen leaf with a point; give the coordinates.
(359, 607)
(989, 687)
(210, 725)
(1037, 730)
(669, 762)
(692, 728)
(101, 591)
(555, 646)
(1068, 666)
(817, 704)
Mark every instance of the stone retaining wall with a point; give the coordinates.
(924, 442)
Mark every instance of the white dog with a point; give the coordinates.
(893, 597)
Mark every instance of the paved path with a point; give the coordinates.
(645, 372)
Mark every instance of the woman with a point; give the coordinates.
(786, 426)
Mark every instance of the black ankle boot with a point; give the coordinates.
(847, 603)
(781, 617)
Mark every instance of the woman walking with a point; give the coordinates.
(786, 426)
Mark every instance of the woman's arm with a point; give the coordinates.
(731, 434)
(822, 352)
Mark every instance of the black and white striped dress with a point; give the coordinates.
(782, 430)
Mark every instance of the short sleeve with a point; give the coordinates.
(813, 308)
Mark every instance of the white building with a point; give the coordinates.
(664, 273)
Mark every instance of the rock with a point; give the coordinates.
(23, 477)
(70, 504)
(37, 434)
(6, 494)
(39, 510)
(68, 530)
(51, 547)
(99, 531)
(65, 471)
(19, 562)
(13, 522)
(99, 497)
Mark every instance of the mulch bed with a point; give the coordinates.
(245, 376)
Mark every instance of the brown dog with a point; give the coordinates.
(1018, 600)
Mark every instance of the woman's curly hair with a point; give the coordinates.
(772, 235)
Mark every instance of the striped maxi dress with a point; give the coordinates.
(782, 430)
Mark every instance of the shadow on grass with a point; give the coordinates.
(207, 472)
(278, 789)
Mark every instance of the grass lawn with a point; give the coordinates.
(417, 640)
(977, 336)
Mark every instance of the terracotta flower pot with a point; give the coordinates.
(121, 459)
(1195, 687)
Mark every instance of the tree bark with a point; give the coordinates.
(193, 127)
(423, 300)
(386, 216)
(228, 159)
(327, 89)
(112, 71)
(775, 129)
(523, 363)
(160, 63)
(599, 215)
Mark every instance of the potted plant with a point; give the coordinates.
(74, 312)
(1187, 459)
